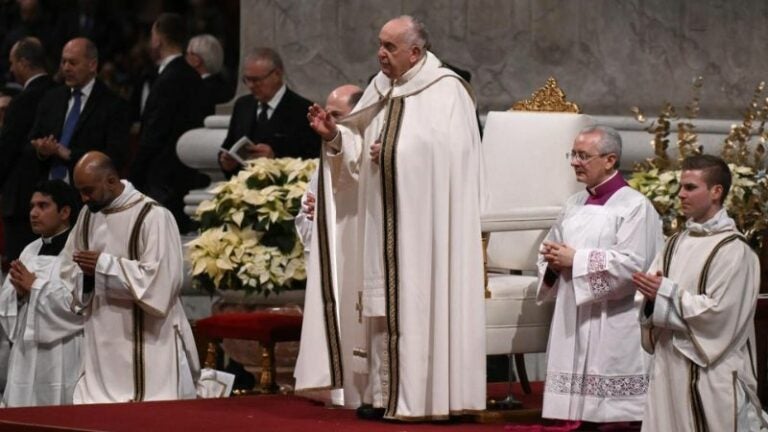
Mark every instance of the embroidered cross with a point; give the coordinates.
(359, 306)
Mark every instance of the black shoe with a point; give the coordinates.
(368, 412)
(244, 380)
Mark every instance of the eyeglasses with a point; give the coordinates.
(582, 157)
(255, 79)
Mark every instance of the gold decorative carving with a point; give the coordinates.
(550, 98)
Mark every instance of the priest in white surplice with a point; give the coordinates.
(697, 317)
(596, 370)
(123, 262)
(34, 308)
(411, 148)
(342, 233)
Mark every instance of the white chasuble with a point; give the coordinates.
(700, 330)
(416, 248)
(46, 335)
(138, 345)
(596, 368)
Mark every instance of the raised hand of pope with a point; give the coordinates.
(87, 261)
(558, 255)
(322, 122)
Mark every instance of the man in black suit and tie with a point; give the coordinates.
(174, 106)
(81, 116)
(273, 117)
(206, 56)
(20, 169)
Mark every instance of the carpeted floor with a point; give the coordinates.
(248, 413)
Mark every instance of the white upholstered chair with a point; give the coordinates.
(528, 179)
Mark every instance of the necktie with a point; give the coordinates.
(262, 119)
(59, 170)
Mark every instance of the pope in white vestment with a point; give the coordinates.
(596, 369)
(418, 254)
(46, 335)
(138, 344)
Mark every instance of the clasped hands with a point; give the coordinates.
(21, 278)
(558, 256)
(86, 260)
(49, 146)
(648, 284)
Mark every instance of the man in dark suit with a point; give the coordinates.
(20, 169)
(173, 107)
(273, 117)
(81, 116)
(205, 55)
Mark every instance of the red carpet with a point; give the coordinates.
(250, 413)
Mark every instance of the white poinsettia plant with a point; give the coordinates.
(247, 237)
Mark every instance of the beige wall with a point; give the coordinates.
(607, 54)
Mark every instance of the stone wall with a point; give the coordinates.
(608, 55)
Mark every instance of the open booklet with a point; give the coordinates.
(239, 150)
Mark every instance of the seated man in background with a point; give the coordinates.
(206, 56)
(35, 307)
(698, 315)
(595, 366)
(273, 117)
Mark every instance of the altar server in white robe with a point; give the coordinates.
(411, 150)
(123, 262)
(34, 307)
(596, 369)
(697, 317)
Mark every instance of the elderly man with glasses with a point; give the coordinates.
(596, 369)
(272, 117)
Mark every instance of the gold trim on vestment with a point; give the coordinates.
(122, 207)
(388, 163)
(139, 378)
(332, 336)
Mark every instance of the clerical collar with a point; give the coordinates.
(601, 193)
(54, 244)
(718, 223)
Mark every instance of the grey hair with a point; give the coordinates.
(610, 141)
(210, 51)
(268, 54)
(417, 34)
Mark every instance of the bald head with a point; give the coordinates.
(342, 99)
(97, 180)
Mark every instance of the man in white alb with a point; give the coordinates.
(697, 317)
(596, 371)
(35, 307)
(411, 149)
(123, 262)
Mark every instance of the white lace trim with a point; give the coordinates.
(598, 277)
(596, 385)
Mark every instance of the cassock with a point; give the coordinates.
(138, 345)
(416, 253)
(46, 335)
(596, 369)
(701, 332)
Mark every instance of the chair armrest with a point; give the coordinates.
(524, 219)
